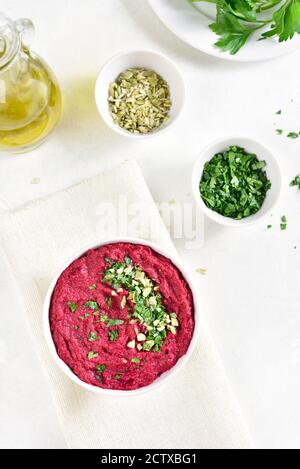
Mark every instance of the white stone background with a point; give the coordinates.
(250, 295)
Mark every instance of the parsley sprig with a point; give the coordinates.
(237, 20)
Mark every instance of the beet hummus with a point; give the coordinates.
(121, 315)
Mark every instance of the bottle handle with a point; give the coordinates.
(26, 31)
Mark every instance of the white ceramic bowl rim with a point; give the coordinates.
(265, 153)
(161, 379)
(159, 57)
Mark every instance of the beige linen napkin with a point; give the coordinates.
(196, 409)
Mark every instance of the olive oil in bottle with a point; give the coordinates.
(30, 98)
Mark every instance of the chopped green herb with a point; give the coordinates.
(113, 335)
(100, 368)
(237, 20)
(293, 135)
(135, 360)
(283, 225)
(269, 227)
(117, 377)
(86, 316)
(127, 260)
(234, 183)
(93, 287)
(114, 322)
(103, 317)
(279, 112)
(93, 337)
(296, 182)
(149, 309)
(92, 305)
(279, 131)
(72, 307)
(92, 355)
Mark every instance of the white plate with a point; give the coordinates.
(192, 27)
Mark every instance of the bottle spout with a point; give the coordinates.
(26, 31)
(9, 41)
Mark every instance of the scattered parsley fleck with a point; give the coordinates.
(135, 360)
(269, 227)
(279, 112)
(279, 131)
(283, 225)
(296, 182)
(93, 337)
(92, 355)
(127, 260)
(293, 135)
(103, 317)
(72, 307)
(93, 305)
(86, 316)
(100, 368)
(117, 377)
(113, 335)
(114, 322)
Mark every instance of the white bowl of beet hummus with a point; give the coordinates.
(121, 317)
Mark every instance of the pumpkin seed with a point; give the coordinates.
(139, 100)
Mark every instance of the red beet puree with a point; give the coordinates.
(94, 324)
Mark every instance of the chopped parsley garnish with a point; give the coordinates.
(279, 131)
(293, 135)
(86, 316)
(93, 337)
(100, 368)
(103, 317)
(149, 309)
(113, 335)
(109, 260)
(279, 112)
(72, 306)
(234, 183)
(283, 224)
(117, 377)
(92, 355)
(114, 322)
(296, 182)
(93, 305)
(127, 260)
(135, 360)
